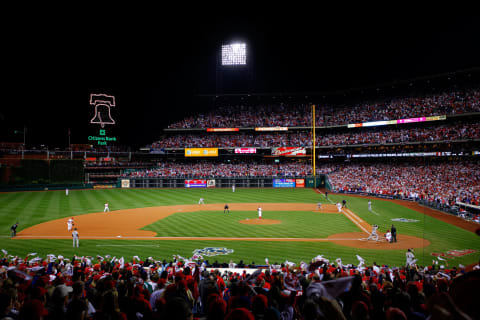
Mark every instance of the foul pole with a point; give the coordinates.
(313, 144)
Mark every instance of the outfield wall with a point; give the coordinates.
(223, 182)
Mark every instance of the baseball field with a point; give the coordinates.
(160, 223)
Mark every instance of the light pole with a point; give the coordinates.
(313, 146)
(24, 131)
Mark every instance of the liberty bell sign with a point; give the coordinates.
(102, 103)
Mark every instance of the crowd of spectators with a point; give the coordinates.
(448, 103)
(116, 164)
(447, 183)
(218, 169)
(446, 132)
(111, 288)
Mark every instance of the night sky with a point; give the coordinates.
(157, 69)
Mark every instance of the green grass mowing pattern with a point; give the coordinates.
(443, 236)
(30, 208)
(294, 224)
(247, 251)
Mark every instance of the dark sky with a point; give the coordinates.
(156, 68)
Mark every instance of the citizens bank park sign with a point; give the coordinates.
(103, 105)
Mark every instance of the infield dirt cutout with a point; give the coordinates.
(126, 224)
(260, 221)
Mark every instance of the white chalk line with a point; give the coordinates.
(355, 219)
(329, 200)
(379, 239)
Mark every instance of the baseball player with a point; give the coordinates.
(339, 207)
(13, 230)
(76, 238)
(201, 201)
(369, 205)
(259, 213)
(106, 207)
(70, 224)
(410, 257)
(225, 209)
(344, 203)
(233, 188)
(374, 234)
(388, 236)
(319, 206)
(66, 192)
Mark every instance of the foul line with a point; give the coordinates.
(374, 212)
(329, 200)
(355, 219)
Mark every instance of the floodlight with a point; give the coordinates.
(234, 54)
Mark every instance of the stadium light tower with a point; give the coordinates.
(234, 54)
(234, 68)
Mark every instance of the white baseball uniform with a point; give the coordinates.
(259, 213)
(233, 188)
(66, 192)
(369, 205)
(339, 206)
(410, 258)
(201, 201)
(374, 234)
(388, 236)
(106, 207)
(70, 224)
(76, 238)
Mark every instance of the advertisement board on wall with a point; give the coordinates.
(195, 183)
(289, 151)
(284, 183)
(103, 186)
(125, 183)
(300, 183)
(398, 121)
(210, 183)
(201, 152)
(271, 129)
(222, 129)
(245, 150)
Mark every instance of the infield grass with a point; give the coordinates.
(30, 208)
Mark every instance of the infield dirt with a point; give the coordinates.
(126, 224)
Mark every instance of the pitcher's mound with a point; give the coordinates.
(260, 221)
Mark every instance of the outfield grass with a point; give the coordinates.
(30, 208)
